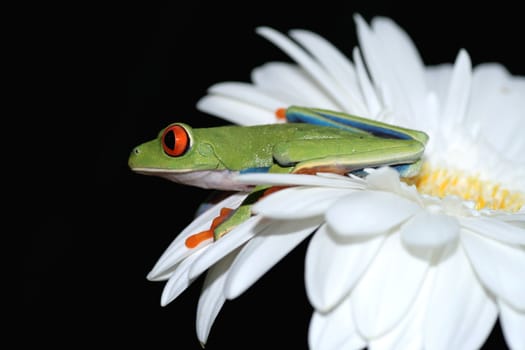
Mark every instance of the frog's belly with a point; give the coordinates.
(212, 179)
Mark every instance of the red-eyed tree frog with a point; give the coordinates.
(312, 140)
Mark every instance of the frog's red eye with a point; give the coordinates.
(175, 140)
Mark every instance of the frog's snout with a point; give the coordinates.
(135, 154)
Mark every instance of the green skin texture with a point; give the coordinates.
(283, 148)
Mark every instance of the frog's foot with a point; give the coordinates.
(233, 219)
(197, 238)
(244, 211)
(229, 218)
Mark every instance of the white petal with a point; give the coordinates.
(515, 219)
(235, 111)
(334, 265)
(212, 297)
(175, 253)
(369, 213)
(495, 229)
(384, 179)
(226, 244)
(177, 250)
(429, 230)
(371, 53)
(336, 64)
(389, 287)
(264, 251)
(430, 119)
(383, 68)
(315, 329)
(247, 93)
(334, 330)
(180, 279)
(305, 61)
(457, 99)
(298, 202)
(513, 326)
(408, 334)
(405, 64)
(292, 84)
(461, 314)
(387, 179)
(500, 267)
(367, 89)
(496, 93)
(438, 79)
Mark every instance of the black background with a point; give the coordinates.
(106, 78)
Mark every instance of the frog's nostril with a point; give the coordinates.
(136, 150)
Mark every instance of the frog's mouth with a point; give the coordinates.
(209, 179)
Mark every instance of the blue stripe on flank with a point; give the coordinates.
(373, 129)
(254, 170)
(341, 123)
(303, 118)
(322, 121)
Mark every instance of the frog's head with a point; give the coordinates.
(178, 155)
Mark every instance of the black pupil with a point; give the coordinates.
(169, 139)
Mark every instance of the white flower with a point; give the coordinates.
(428, 264)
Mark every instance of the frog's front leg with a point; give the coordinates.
(238, 215)
(225, 221)
(244, 211)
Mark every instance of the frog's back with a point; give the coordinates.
(253, 145)
(277, 132)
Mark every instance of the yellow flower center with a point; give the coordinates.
(485, 194)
